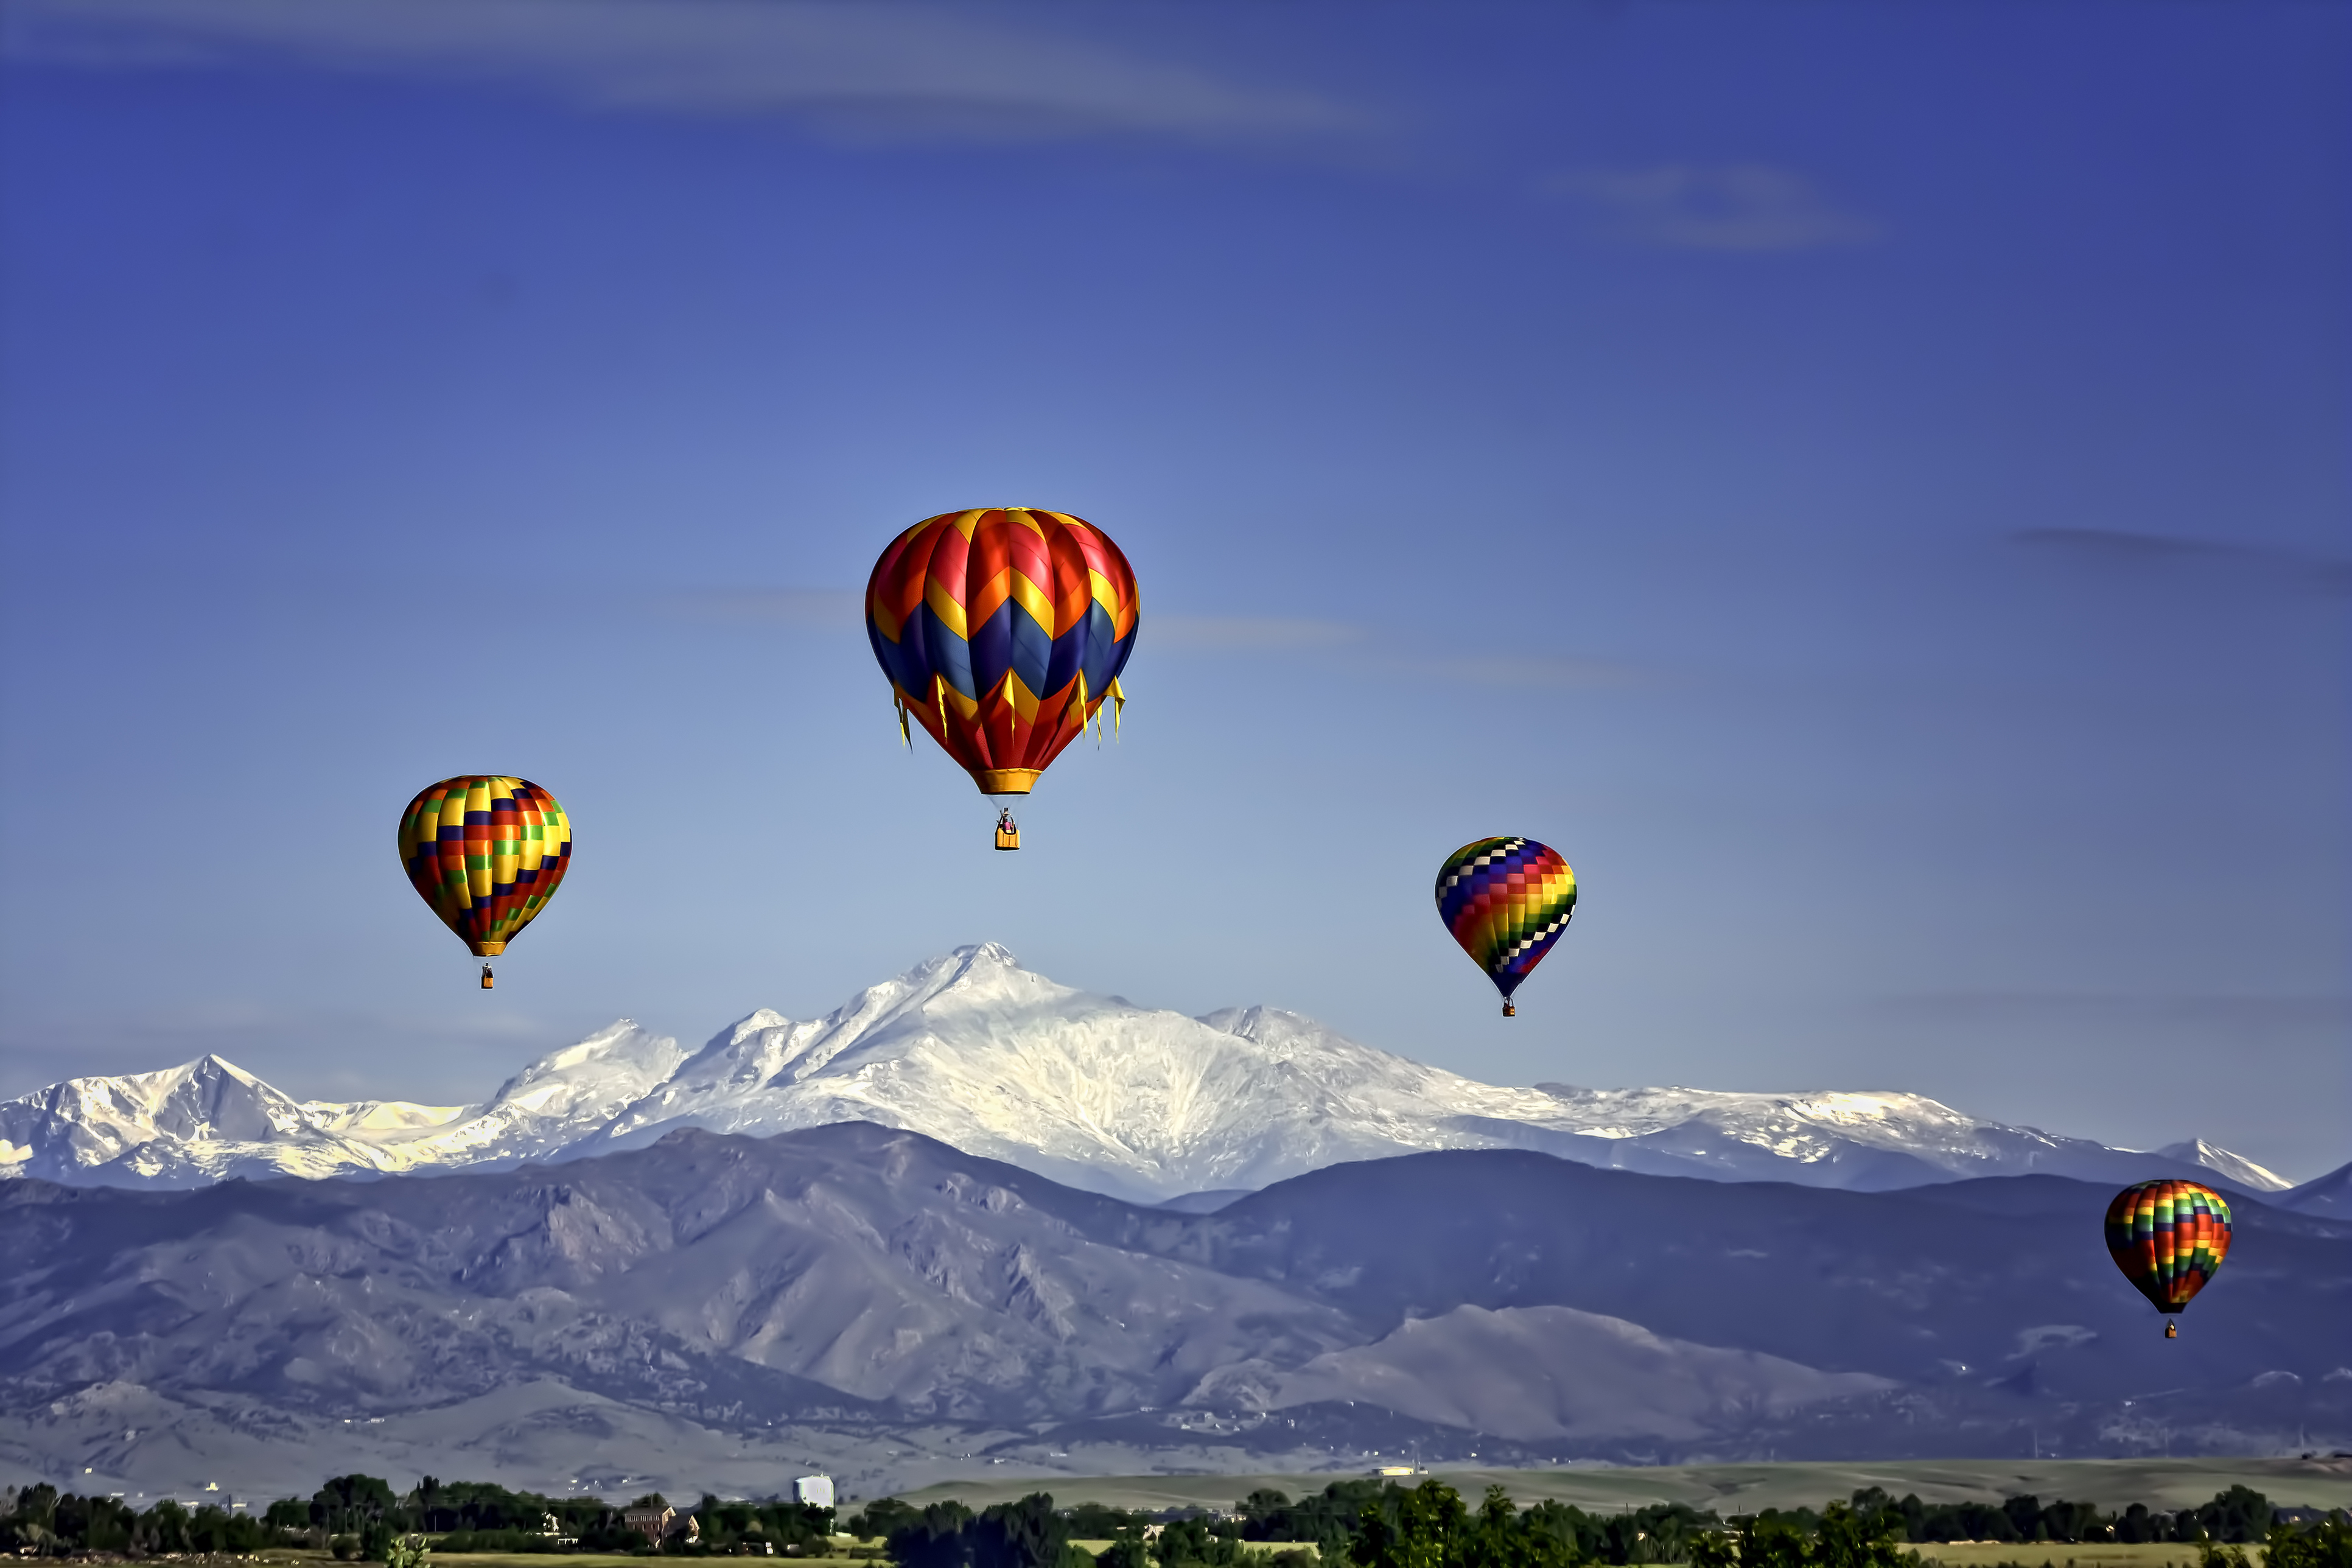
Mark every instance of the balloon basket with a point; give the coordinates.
(2172, 1330)
(487, 982)
(1008, 839)
(1510, 1010)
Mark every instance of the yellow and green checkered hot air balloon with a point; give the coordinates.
(487, 852)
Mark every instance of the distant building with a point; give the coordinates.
(814, 1491)
(1396, 1470)
(653, 1523)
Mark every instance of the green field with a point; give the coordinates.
(1986, 1553)
(1746, 1489)
(1258, 1548)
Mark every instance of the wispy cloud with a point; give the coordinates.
(875, 70)
(2225, 1010)
(1390, 656)
(781, 606)
(1541, 670)
(1725, 206)
(1246, 632)
(2121, 551)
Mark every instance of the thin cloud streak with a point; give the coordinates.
(2247, 1010)
(782, 606)
(1542, 670)
(1251, 633)
(1226, 633)
(876, 71)
(1728, 207)
(2121, 550)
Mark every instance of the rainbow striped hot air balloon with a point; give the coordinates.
(1505, 900)
(2169, 1237)
(487, 852)
(1003, 632)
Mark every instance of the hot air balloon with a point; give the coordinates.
(1505, 900)
(1002, 633)
(487, 852)
(2169, 1237)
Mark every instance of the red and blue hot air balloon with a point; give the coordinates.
(1003, 632)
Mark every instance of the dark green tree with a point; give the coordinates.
(2239, 1516)
(1124, 1552)
(1025, 1534)
(937, 1538)
(1193, 1542)
(2327, 1544)
(1430, 1529)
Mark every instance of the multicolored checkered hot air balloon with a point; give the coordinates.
(1003, 632)
(2169, 1237)
(487, 852)
(1505, 900)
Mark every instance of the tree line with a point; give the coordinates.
(1377, 1524)
(1362, 1522)
(361, 1517)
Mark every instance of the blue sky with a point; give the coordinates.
(1867, 484)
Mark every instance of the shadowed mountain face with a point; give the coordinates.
(861, 1286)
(1927, 1286)
(2329, 1195)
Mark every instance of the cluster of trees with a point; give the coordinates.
(1399, 1527)
(2240, 1514)
(360, 1517)
(44, 1522)
(1377, 1524)
(1366, 1524)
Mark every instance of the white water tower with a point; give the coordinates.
(816, 1490)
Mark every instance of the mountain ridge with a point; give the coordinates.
(1091, 1091)
(902, 1310)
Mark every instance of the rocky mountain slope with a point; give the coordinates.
(973, 1050)
(882, 1303)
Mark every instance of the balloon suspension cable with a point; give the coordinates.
(487, 981)
(906, 737)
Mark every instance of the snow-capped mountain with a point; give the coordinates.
(1092, 1091)
(210, 1120)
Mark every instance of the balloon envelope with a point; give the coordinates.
(1505, 900)
(2169, 1237)
(1001, 632)
(487, 852)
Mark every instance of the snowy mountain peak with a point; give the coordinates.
(972, 1049)
(205, 1098)
(578, 1088)
(984, 974)
(2233, 1168)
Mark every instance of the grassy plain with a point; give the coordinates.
(2058, 1554)
(1253, 1548)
